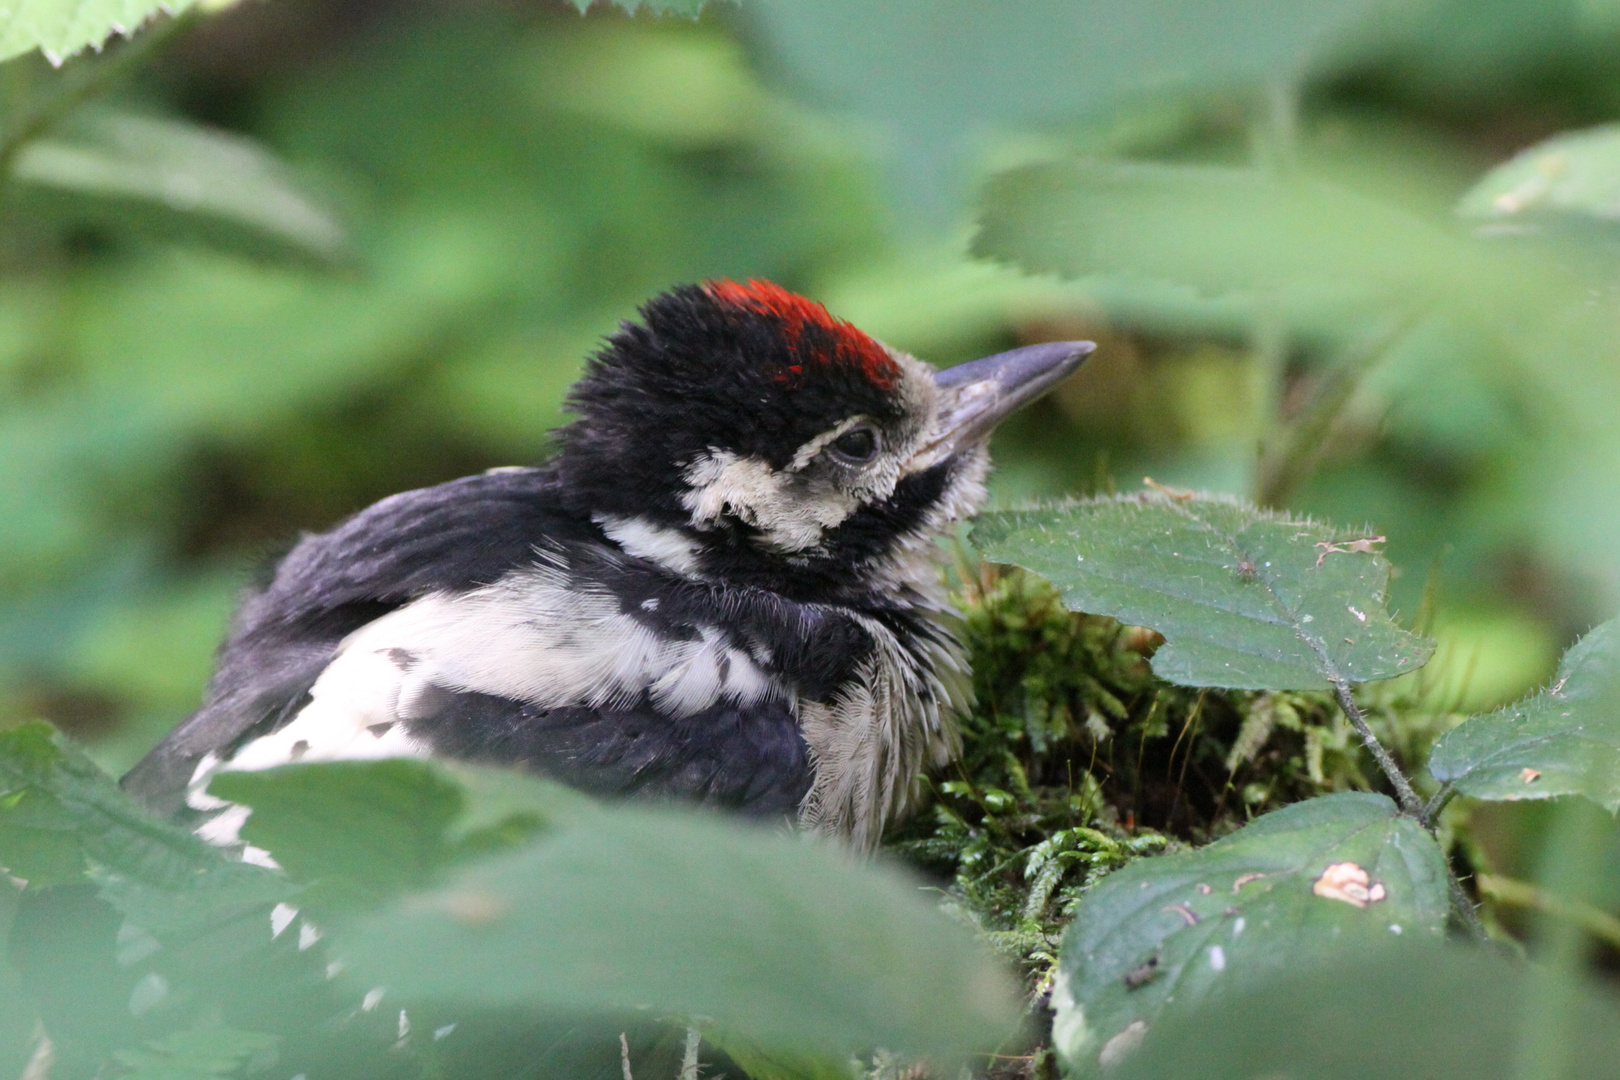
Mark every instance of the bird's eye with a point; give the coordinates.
(856, 446)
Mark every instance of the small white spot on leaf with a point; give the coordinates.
(148, 992)
(1120, 1046)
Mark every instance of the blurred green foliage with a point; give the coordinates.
(1353, 258)
(186, 391)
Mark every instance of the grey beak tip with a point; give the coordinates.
(1044, 364)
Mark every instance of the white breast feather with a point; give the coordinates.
(871, 742)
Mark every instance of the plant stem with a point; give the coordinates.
(1431, 809)
(689, 1059)
(1267, 371)
(1600, 924)
(1276, 132)
(1464, 908)
(1411, 805)
(1297, 451)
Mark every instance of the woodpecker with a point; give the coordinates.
(722, 586)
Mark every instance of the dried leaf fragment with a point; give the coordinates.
(1348, 882)
(1244, 879)
(1170, 491)
(1362, 545)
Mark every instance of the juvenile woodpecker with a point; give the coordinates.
(722, 587)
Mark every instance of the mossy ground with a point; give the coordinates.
(1076, 760)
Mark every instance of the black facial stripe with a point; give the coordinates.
(872, 529)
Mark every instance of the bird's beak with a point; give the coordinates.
(976, 396)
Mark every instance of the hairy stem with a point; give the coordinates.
(1411, 804)
(1464, 908)
(1431, 809)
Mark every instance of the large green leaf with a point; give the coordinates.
(205, 1053)
(935, 73)
(1574, 176)
(1433, 1012)
(1222, 229)
(60, 28)
(227, 187)
(60, 814)
(785, 942)
(360, 831)
(1244, 598)
(1332, 873)
(1563, 741)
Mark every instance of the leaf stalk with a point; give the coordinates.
(1411, 804)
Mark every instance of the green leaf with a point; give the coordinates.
(202, 1054)
(1173, 929)
(1563, 741)
(759, 1062)
(226, 186)
(1245, 598)
(359, 831)
(1430, 1012)
(779, 939)
(1574, 176)
(1220, 229)
(936, 73)
(60, 28)
(59, 814)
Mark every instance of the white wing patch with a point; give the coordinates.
(535, 637)
(532, 636)
(644, 539)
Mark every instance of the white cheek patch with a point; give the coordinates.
(780, 505)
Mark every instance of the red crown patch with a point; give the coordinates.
(795, 313)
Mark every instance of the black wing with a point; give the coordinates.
(753, 759)
(454, 536)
